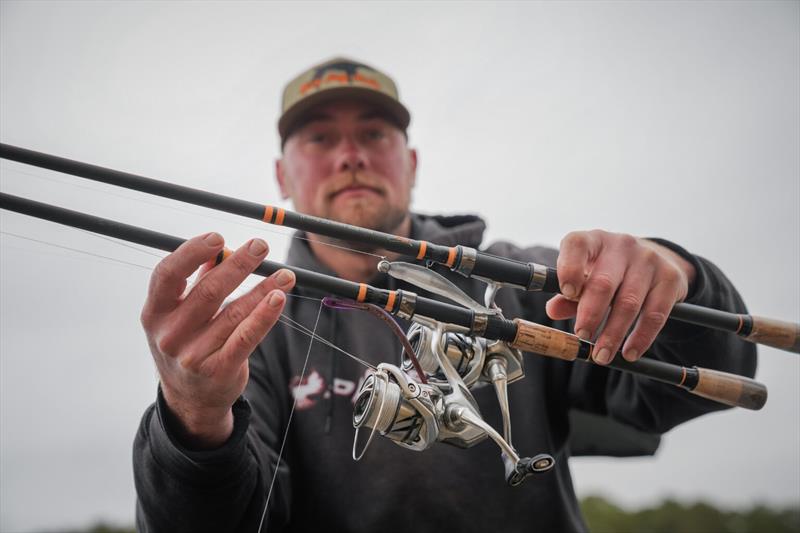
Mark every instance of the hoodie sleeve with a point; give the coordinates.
(184, 490)
(640, 402)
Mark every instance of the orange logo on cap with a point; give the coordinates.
(369, 81)
(346, 75)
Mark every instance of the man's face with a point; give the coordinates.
(349, 164)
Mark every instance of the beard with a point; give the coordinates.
(372, 211)
(383, 220)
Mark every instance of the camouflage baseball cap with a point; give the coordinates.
(334, 79)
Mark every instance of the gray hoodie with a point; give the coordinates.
(318, 486)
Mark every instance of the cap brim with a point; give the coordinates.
(294, 115)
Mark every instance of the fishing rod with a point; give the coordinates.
(730, 389)
(465, 260)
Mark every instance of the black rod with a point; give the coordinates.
(719, 386)
(444, 312)
(211, 200)
(498, 268)
(531, 276)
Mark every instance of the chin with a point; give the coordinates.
(363, 220)
(372, 216)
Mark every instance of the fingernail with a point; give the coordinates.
(284, 278)
(568, 290)
(584, 334)
(275, 299)
(257, 247)
(631, 355)
(603, 356)
(213, 239)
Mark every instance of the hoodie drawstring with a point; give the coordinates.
(334, 358)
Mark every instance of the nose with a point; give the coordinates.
(351, 157)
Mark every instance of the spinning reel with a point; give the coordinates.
(415, 413)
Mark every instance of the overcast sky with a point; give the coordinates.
(679, 120)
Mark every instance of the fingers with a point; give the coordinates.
(655, 312)
(207, 267)
(168, 280)
(628, 302)
(575, 253)
(244, 339)
(207, 295)
(221, 327)
(638, 280)
(199, 355)
(561, 308)
(204, 269)
(599, 290)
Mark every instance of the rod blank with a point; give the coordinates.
(720, 386)
(775, 333)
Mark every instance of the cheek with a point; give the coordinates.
(306, 193)
(396, 168)
(305, 177)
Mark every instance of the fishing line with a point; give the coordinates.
(286, 320)
(289, 422)
(100, 256)
(126, 244)
(260, 227)
(303, 329)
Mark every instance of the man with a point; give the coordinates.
(207, 452)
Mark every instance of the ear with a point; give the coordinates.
(283, 182)
(412, 154)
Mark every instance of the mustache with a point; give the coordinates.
(347, 180)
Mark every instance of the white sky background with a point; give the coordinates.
(679, 120)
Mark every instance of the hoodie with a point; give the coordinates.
(318, 487)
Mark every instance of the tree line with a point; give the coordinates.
(669, 516)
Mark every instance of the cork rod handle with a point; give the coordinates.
(730, 389)
(536, 338)
(775, 333)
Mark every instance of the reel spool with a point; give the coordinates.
(402, 410)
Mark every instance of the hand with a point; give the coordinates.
(201, 352)
(638, 279)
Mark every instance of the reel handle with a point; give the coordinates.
(516, 473)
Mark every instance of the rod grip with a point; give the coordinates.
(730, 389)
(536, 338)
(775, 333)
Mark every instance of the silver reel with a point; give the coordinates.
(416, 415)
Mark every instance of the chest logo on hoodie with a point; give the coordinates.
(307, 391)
(302, 390)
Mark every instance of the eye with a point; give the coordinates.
(375, 134)
(318, 137)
